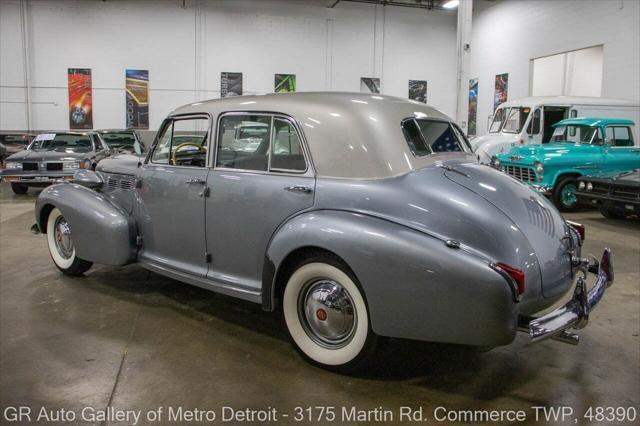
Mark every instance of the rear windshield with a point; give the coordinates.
(63, 143)
(118, 139)
(426, 137)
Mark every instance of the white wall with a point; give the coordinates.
(508, 34)
(185, 49)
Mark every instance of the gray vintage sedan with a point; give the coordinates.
(358, 216)
(52, 157)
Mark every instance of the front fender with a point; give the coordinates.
(101, 231)
(415, 286)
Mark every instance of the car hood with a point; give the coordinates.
(492, 144)
(124, 164)
(491, 214)
(30, 155)
(546, 153)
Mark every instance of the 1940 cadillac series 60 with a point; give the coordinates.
(358, 215)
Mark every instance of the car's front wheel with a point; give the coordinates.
(564, 194)
(327, 316)
(19, 188)
(61, 246)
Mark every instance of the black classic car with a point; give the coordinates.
(617, 197)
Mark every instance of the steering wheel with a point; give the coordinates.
(173, 155)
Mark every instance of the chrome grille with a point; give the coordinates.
(525, 174)
(125, 183)
(626, 193)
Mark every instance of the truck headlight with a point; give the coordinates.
(538, 167)
(495, 162)
(72, 165)
(13, 165)
(581, 186)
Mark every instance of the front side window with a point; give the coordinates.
(515, 120)
(183, 142)
(498, 119)
(534, 124)
(619, 136)
(426, 137)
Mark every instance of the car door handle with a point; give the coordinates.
(195, 180)
(298, 188)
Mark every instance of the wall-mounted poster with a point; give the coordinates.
(418, 90)
(80, 102)
(137, 88)
(369, 85)
(502, 90)
(473, 106)
(231, 84)
(285, 83)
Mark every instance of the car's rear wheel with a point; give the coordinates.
(564, 194)
(61, 246)
(327, 316)
(612, 213)
(19, 188)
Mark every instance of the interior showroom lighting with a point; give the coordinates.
(451, 4)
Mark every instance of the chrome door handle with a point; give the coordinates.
(195, 180)
(298, 188)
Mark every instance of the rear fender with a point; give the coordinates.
(415, 286)
(101, 231)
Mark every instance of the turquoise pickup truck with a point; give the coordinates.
(578, 146)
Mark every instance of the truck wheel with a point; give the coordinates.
(564, 194)
(61, 246)
(327, 316)
(19, 188)
(612, 213)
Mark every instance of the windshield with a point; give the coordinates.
(426, 137)
(577, 134)
(498, 119)
(118, 139)
(515, 120)
(62, 143)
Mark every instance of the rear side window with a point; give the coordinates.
(426, 137)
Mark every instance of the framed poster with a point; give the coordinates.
(80, 101)
(418, 90)
(230, 84)
(502, 90)
(473, 106)
(137, 89)
(285, 83)
(369, 85)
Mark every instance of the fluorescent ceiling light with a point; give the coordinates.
(451, 4)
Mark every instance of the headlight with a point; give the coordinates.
(495, 162)
(72, 165)
(581, 186)
(539, 167)
(589, 186)
(14, 166)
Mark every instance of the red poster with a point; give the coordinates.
(80, 102)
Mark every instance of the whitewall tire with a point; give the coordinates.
(327, 316)
(61, 248)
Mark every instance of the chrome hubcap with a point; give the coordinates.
(327, 313)
(62, 237)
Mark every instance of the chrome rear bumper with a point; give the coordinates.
(575, 313)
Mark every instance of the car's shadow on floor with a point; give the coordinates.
(438, 366)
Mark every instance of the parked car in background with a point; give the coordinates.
(10, 143)
(358, 215)
(615, 196)
(51, 157)
(578, 146)
(530, 121)
(121, 141)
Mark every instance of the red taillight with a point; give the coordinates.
(579, 228)
(516, 274)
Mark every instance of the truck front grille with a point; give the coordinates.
(525, 174)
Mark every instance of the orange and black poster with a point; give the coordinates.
(80, 102)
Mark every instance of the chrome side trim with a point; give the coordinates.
(575, 313)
